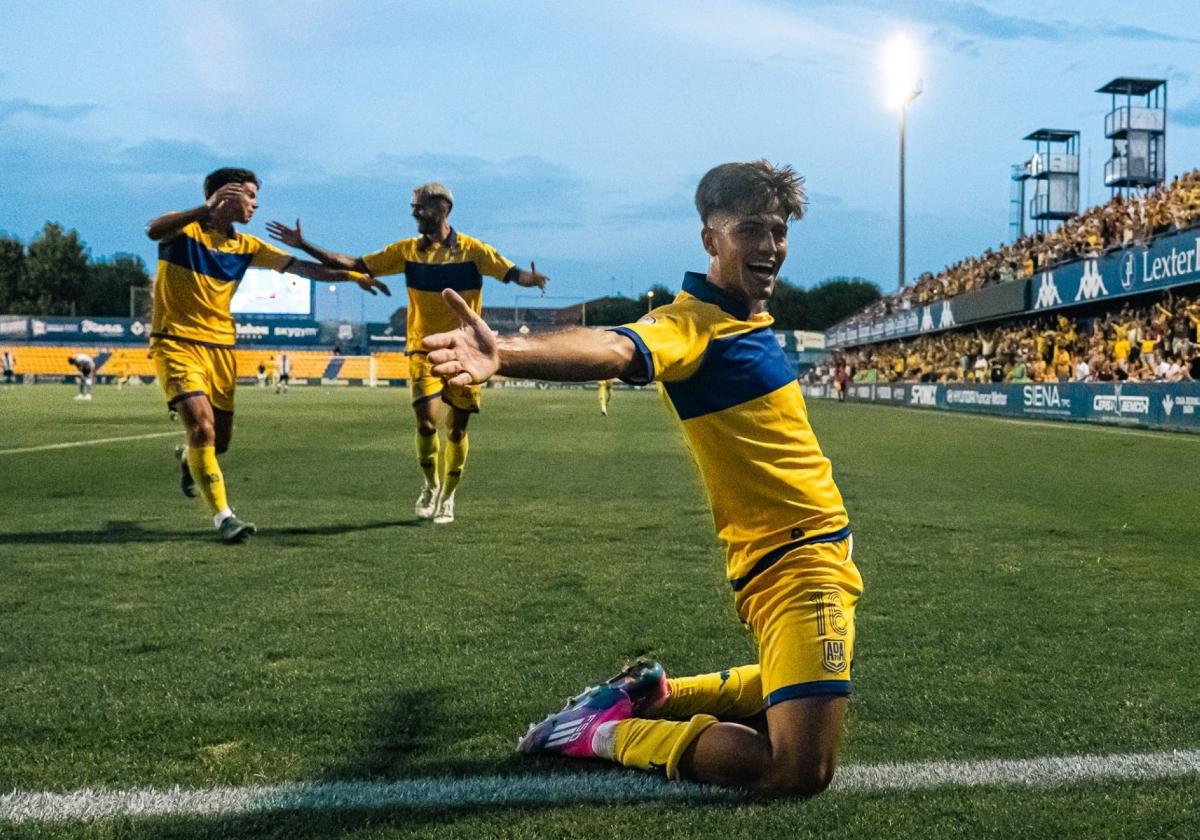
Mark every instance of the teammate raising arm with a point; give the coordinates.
(440, 257)
(201, 259)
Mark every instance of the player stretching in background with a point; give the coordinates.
(773, 499)
(201, 259)
(440, 258)
(9, 364)
(86, 366)
(605, 387)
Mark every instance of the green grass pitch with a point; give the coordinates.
(1031, 590)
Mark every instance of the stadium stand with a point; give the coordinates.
(1156, 340)
(50, 362)
(391, 366)
(1118, 223)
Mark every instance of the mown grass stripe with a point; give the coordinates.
(92, 442)
(569, 788)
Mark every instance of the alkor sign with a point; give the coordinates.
(1170, 261)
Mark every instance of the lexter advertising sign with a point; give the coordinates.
(1170, 261)
(1149, 404)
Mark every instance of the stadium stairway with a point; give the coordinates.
(333, 368)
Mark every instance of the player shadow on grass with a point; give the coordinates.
(117, 532)
(396, 748)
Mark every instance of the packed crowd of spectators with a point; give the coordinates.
(1118, 223)
(1152, 342)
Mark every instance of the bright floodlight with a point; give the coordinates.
(900, 70)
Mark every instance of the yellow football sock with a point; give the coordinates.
(734, 692)
(456, 459)
(202, 463)
(427, 456)
(657, 744)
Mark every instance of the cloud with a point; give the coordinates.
(750, 28)
(62, 113)
(177, 157)
(975, 21)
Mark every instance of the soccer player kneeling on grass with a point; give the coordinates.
(773, 498)
(201, 259)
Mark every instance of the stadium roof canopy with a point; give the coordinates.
(1131, 86)
(1053, 135)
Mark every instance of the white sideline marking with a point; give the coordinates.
(575, 787)
(87, 442)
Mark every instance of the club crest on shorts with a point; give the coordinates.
(834, 658)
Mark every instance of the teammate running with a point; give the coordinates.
(605, 387)
(201, 259)
(773, 499)
(440, 258)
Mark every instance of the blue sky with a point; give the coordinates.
(572, 134)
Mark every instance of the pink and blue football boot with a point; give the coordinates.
(637, 691)
(569, 732)
(645, 681)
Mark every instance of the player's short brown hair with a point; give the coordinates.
(747, 188)
(228, 175)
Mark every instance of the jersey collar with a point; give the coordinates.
(451, 241)
(698, 286)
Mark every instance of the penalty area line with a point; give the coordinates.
(93, 442)
(571, 788)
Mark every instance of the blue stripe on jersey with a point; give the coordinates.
(431, 277)
(735, 370)
(808, 689)
(643, 351)
(776, 554)
(186, 252)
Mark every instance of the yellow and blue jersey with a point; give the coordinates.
(742, 412)
(198, 272)
(459, 263)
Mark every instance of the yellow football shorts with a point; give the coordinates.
(801, 611)
(185, 369)
(425, 385)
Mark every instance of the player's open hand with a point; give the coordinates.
(226, 202)
(369, 284)
(292, 237)
(532, 278)
(467, 355)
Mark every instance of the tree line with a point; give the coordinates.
(793, 307)
(55, 274)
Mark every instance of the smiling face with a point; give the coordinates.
(430, 213)
(746, 252)
(249, 202)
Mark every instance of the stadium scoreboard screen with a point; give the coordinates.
(265, 292)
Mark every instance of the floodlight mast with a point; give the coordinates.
(900, 68)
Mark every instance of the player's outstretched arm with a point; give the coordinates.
(294, 238)
(532, 278)
(474, 353)
(324, 274)
(218, 205)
